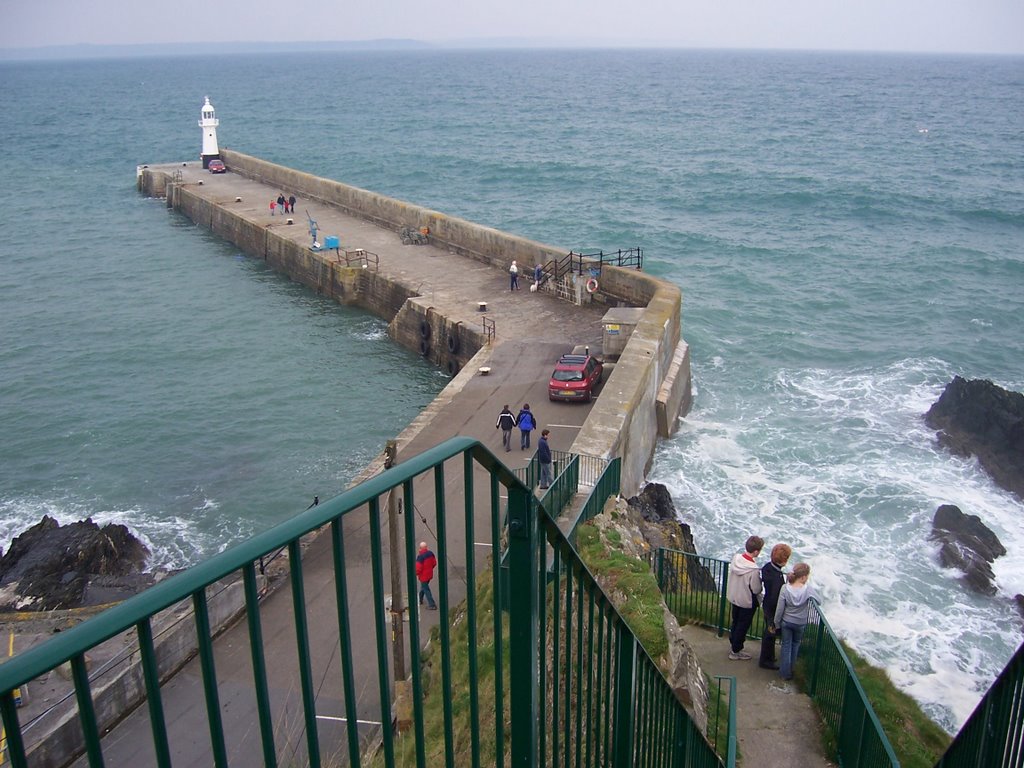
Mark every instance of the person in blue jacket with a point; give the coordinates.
(544, 459)
(527, 423)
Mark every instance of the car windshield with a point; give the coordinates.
(567, 376)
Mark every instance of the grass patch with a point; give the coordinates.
(619, 572)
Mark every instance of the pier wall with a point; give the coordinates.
(642, 398)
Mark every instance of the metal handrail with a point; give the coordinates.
(629, 700)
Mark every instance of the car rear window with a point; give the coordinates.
(567, 376)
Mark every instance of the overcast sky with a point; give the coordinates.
(983, 26)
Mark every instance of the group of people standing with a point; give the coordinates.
(513, 276)
(526, 421)
(785, 599)
(286, 205)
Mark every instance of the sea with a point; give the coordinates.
(847, 230)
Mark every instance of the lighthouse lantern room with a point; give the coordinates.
(209, 122)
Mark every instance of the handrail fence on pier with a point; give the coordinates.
(695, 589)
(559, 680)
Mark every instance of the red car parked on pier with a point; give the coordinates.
(217, 166)
(575, 378)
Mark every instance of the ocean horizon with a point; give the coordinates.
(846, 230)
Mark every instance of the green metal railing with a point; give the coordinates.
(567, 682)
(993, 736)
(695, 590)
(605, 486)
(728, 730)
(840, 700)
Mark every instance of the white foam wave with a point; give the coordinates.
(842, 466)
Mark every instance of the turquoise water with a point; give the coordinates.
(846, 230)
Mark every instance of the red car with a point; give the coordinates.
(217, 166)
(575, 378)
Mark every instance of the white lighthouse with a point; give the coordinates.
(209, 122)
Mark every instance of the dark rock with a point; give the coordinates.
(663, 529)
(49, 567)
(1019, 600)
(978, 418)
(967, 544)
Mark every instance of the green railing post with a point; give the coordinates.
(523, 610)
(723, 600)
(625, 699)
(819, 635)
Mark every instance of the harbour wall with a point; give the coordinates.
(642, 398)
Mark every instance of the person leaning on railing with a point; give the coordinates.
(792, 614)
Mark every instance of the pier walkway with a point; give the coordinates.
(531, 331)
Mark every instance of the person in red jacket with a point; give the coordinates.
(425, 565)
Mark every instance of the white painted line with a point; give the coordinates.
(566, 426)
(345, 720)
(482, 544)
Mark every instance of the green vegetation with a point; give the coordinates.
(433, 709)
(623, 573)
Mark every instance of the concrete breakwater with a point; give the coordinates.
(642, 398)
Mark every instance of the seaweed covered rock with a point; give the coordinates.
(979, 418)
(50, 566)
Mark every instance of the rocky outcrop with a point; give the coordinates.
(639, 526)
(978, 418)
(662, 528)
(50, 567)
(967, 544)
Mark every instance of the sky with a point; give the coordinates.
(961, 26)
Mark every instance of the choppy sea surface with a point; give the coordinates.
(847, 231)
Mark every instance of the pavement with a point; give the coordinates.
(776, 724)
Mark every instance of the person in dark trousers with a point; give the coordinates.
(291, 204)
(772, 578)
(744, 591)
(527, 423)
(425, 565)
(506, 423)
(513, 276)
(544, 459)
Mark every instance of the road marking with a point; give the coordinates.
(566, 426)
(345, 720)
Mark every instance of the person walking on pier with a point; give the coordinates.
(273, 206)
(506, 423)
(792, 614)
(291, 204)
(744, 591)
(425, 565)
(527, 423)
(513, 276)
(544, 459)
(282, 204)
(773, 578)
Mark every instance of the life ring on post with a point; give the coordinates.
(424, 347)
(592, 285)
(424, 329)
(453, 342)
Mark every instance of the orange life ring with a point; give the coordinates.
(424, 230)
(592, 285)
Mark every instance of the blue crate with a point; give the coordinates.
(332, 241)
